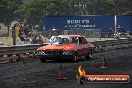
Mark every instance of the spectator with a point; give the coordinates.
(37, 39)
(22, 35)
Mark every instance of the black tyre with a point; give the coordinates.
(89, 56)
(42, 60)
(82, 80)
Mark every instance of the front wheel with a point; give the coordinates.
(42, 60)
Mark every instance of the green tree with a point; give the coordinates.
(102, 7)
(123, 7)
(34, 10)
(92, 7)
(7, 9)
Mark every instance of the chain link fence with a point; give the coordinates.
(88, 33)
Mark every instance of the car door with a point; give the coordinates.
(81, 49)
(84, 45)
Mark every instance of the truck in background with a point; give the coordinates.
(121, 32)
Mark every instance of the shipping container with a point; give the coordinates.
(103, 24)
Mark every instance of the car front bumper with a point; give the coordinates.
(54, 57)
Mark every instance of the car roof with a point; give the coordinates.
(69, 35)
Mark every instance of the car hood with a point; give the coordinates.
(58, 47)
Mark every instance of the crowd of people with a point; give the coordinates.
(25, 34)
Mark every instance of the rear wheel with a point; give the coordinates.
(89, 56)
(84, 58)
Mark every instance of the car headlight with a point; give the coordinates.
(40, 52)
(67, 52)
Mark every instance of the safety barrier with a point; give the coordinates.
(112, 44)
(16, 53)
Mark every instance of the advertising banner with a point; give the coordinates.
(105, 23)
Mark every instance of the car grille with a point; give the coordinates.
(53, 52)
(40, 52)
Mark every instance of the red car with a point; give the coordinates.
(62, 47)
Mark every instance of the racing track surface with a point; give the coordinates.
(33, 74)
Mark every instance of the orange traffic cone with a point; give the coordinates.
(61, 74)
(104, 63)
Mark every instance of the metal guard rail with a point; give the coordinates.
(99, 45)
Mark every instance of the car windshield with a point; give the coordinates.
(59, 40)
(63, 40)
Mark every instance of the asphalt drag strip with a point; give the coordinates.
(34, 74)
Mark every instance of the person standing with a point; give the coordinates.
(14, 34)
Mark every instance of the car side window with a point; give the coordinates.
(65, 40)
(75, 40)
(82, 40)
